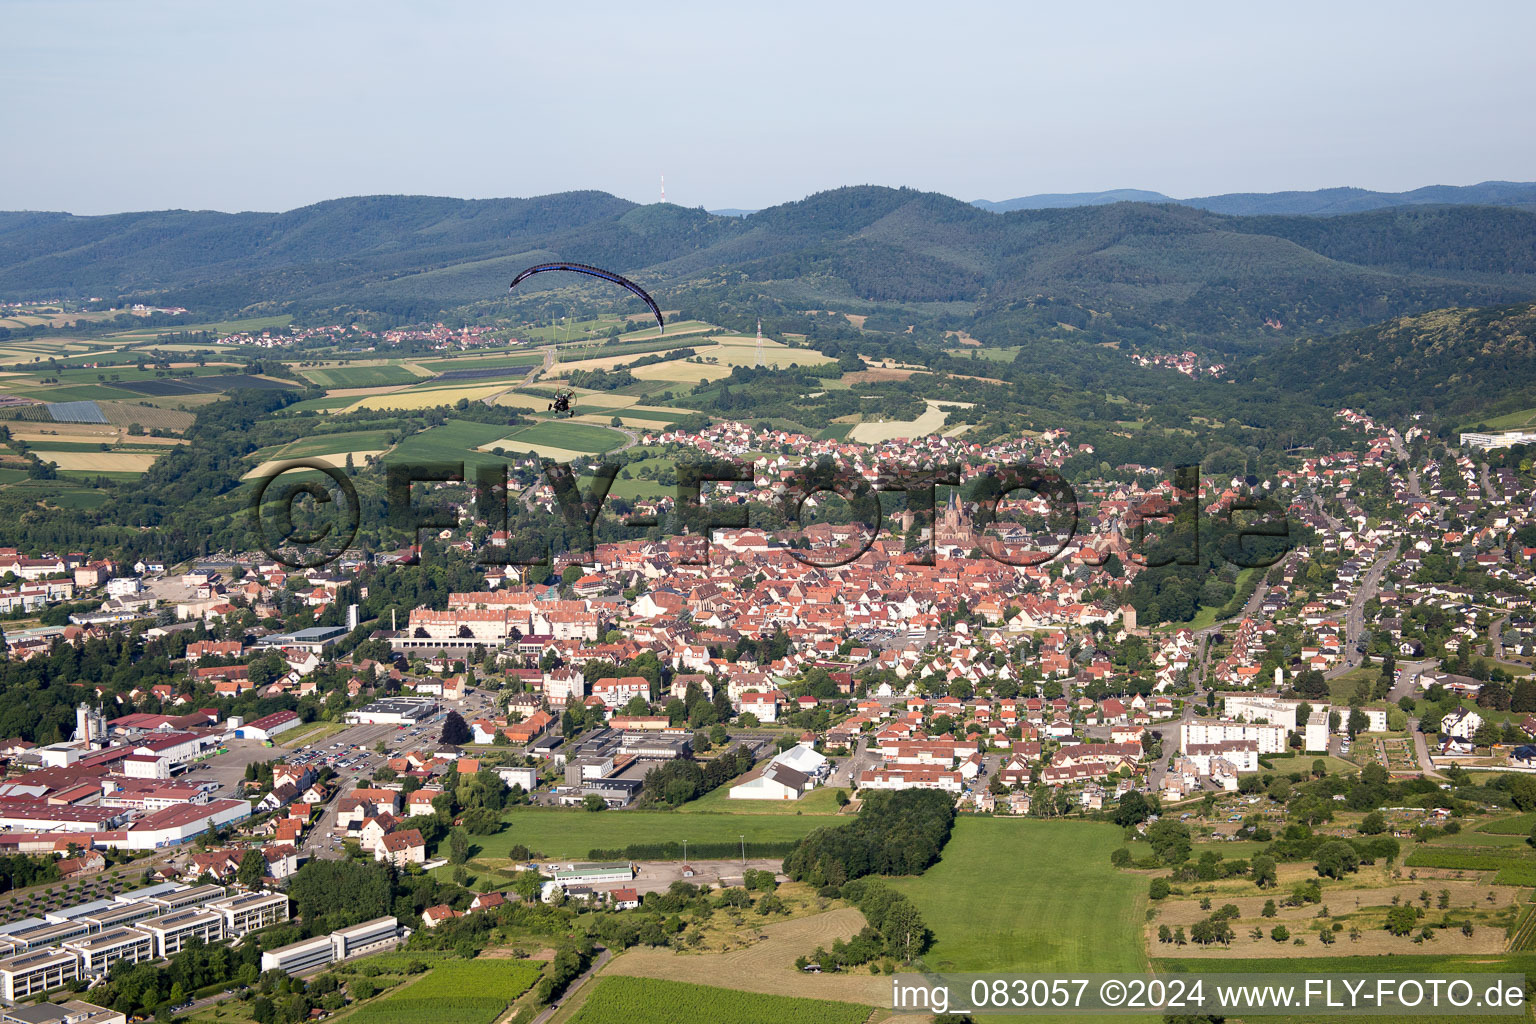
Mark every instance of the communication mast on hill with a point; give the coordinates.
(663, 188)
(759, 341)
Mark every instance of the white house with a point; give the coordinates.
(1461, 724)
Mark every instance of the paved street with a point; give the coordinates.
(1354, 619)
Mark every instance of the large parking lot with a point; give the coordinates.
(228, 770)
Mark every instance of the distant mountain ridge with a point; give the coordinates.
(1321, 202)
(1155, 274)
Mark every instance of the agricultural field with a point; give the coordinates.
(330, 403)
(424, 397)
(380, 375)
(674, 329)
(558, 438)
(1509, 421)
(150, 417)
(335, 460)
(572, 835)
(1030, 895)
(930, 422)
(523, 400)
(453, 441)
(470, 992)
(100, 461)
(475, 362)
(620, 1000)
(331, 444)
(736, 350)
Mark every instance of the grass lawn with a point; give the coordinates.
(572, 834)
(314, 732)
(1303, 763)
(1026, 895)
(819, 801)
(1206, 616)
(1342, 688)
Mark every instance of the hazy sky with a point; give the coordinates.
(108, 105)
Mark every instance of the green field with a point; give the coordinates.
(1515, 825)
(1509, 421)
(317, 405)
(255, 323)
(453, 441)
(81, 500)
(620, 1000)
(67, 392)
(571, 437)
(571, 834)
(361, 376)
(635, 487)
(480, 362)
(822, 800)
(1028, 895)
(335, 444)
(472, 992)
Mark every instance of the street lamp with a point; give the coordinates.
(743, 851)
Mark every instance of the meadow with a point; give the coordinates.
(572, 834)
(623, 1000)
(636, 487)
(1029, 895)
(331, 444)
(453, 441)
(564, 435)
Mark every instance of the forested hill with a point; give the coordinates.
(1323, 202)
(1460, 365)
(1159, 275)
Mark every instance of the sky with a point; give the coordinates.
(108, 106)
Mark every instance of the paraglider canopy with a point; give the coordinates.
(606, 275)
